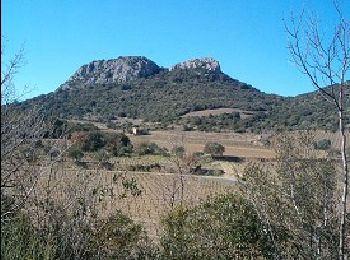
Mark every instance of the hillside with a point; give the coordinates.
(137, 88)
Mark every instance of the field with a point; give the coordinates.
(160, 190)
(241, 145)
(103, 192)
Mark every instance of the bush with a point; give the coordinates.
(214, 149)
(77, 127)
(103, 155)
(223, 228)
(323, 144)
(118, 144)
(20, 240)
(93, 142)
(75, 153)
(112, 125)
(30, 154)
(115, 237)
(151, 148)
(178, 150)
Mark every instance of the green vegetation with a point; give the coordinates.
(116, 144)
(323, 144)
(112, 238)
(288, 212)
(75, 153)
(178, 150)
(151, 148)
(93, 142)
(214, 149)
(166, 96)
(224, 228)
(62, 128)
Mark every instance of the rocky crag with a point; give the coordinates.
(127, 68)
(203, 63)
(122, 69)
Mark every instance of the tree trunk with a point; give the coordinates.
(342, 255)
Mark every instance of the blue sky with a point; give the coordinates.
(246, 36)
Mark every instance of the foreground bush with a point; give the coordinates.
(224, 228)
(116, 237)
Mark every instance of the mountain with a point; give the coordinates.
(122, 69)
(136, 87)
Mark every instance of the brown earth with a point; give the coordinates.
(241, 145)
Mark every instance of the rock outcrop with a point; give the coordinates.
(127, 68)
(122, 69)
(202, 63)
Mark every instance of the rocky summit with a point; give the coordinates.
(127, 68)
(122, 69)
(202, 63)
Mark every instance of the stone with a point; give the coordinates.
(209, 64)
(122, 69)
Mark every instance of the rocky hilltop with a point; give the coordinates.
(202, 63)
(122, 69)
(127, 68)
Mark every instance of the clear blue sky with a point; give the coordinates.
(246, 36)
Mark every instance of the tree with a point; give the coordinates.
(19, 132)
(214, 149)
(295, 200)
(224, 227)
(118, 144)
(75, 153)
(325, 61)
(93, 142)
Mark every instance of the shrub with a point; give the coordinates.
(103, 155)
(187, 128)
(197, 155)
(93, 142)
(75, 153)
(223, 228)
(178, 150)
(30, 154)
(116, 237)
(20, 240)
(112, 125)
(214, 149)
(118, 144)
(77, 127)
(323, 144)
(150, 148)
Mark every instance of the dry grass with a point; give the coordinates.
(160, 192)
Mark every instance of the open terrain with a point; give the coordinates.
(194, 141)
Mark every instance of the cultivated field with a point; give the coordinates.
(103, 192)
(241, 145)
